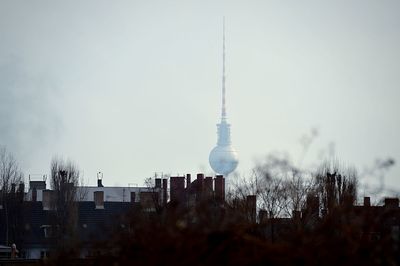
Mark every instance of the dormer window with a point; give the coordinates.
(99, 199)
(47, 230)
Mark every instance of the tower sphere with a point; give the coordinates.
(223, 159)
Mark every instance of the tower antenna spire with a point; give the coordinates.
(223, 112)
(223, 157)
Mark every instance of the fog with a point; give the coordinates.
(132, 88)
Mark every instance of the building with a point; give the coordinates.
(223, 157)
(204, 188)
(98, 211)
(372, 223)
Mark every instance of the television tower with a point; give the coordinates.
(223, 157)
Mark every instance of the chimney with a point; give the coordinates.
(200, 186)
(208, 184)
(367, 201)
(219, 188)
(200, 176)
(177, 190)
(188, 181)
(165, 190)
(99, 199)
(296, 215)
(99, 182)
(133, 197)
(208, 187)
(391, 202)
(312, 207)
(21, 191)
(263, 215)
(158, 183)
(34, 194)
(48, 199)
(37, 184)
(21, 188)
(251, 202)
(312, 203)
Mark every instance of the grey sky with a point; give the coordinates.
(131, 88)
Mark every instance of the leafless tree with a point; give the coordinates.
(296, 189)
(151, 199)
(269, 190)
(281, 186)
(336, 187)
(64, 178)
(10, 176)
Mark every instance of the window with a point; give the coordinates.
(49, 230)
(44, 254)
(395, 232)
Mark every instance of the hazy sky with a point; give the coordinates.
(131, 88)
